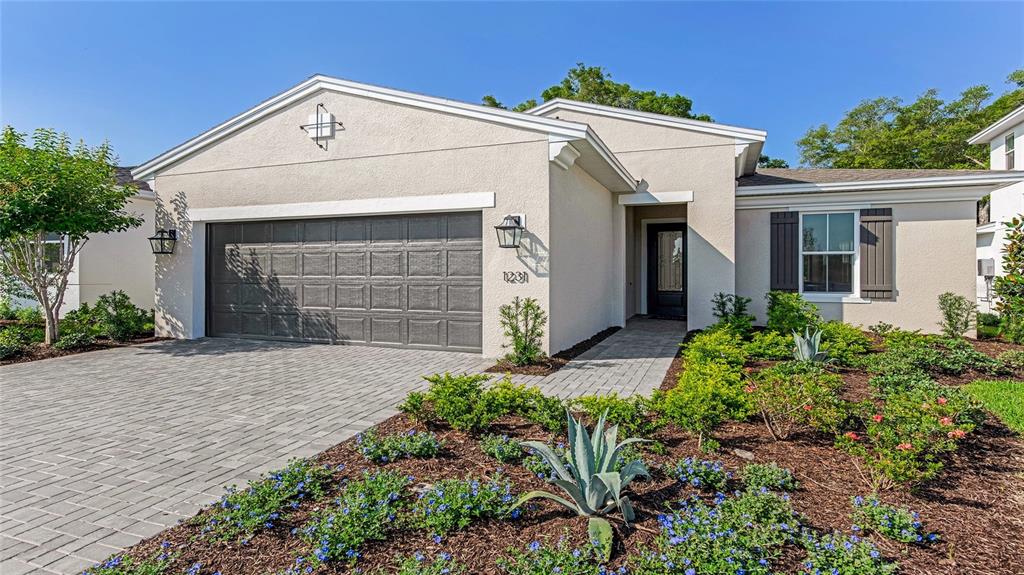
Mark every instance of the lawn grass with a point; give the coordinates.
(1005, 398)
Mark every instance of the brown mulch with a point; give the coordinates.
(976, 505)
(551, 364)
(38, 351)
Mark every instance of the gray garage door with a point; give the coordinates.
(402, 281)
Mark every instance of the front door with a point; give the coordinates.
(666, 270)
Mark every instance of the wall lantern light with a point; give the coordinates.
(163, 241)
(510, 231)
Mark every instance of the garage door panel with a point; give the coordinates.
(385, 280)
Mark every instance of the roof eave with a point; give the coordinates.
(999, 126)
(994, 181)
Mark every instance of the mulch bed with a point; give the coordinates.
(976, 505)
(550, 365)
(38, 351)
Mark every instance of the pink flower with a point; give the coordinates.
(808, 407)
(877, 418)
(942, 401)
(749, 389)
(904, 447)
(946, 421)
(852, 435)
(956, 434)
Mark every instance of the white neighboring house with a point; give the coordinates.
(1002, 137)
(116, 261)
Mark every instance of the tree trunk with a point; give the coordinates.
(51, 326)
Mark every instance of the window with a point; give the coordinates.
(53, 251)
(828, 252)
(1009, 152)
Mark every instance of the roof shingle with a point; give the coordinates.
(124, 176)
(788, 176)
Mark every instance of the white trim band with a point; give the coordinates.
(366, 207)
(655, 198)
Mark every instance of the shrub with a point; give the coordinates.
(715, 346)
(455, 503)
(987, 319)
(389, 448)
(241, 513)
(731, 311)
(881, 329)
(958, 355)
(29, 316)
(502, 448)
(758, 476)
(793, 394)
(443, 564)
(539, 559)
(733, 535)
(710, 475)
(13, 340)
(1012, 359)
(895, 523)
(7, 309)
(957, 314)
(843, 342)
(838, 554)
(1010, 286)
(523, 323)
(770, 345)
(789, 312)
(911, 353)
(505, 397)
(365, 511)
(899, 383)
(636, 416)
(457, 400)
(708, 394)
(118, 318)
(74, 339)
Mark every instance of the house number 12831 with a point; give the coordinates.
(516, 277)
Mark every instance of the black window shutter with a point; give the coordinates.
(785, 251)
(876, 254)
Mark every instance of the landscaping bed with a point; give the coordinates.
(547, 365)
(36, 352)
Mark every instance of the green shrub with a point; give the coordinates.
(13, 340)
(709, 475)
(453, 504)
(987, 319)
(81, 319)
(793, 394)
(7, 309)
(365, 511)
(839, 554)
(74, 339)
(118, 318)
(708, 394)
(957, 314)
(539, 559)
(885, 385)
(912, 353)
(758, 476)
(29, 316)
(789, 312)
(731, 311)
(741, 534)
(506, 397)
(458, 400)
(843, 342)
(241, 513)
(770, 345)
(523, 323)
(388, 448)
(418, 564)
(1012, 359)
(636, 416)
(715, 346)
(896, 523)
(881, 329)
(502, 447)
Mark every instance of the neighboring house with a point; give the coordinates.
(116, 261)
(374, 223)
(1004, 203)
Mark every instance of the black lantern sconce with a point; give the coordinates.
(163, 241)
(510, 231)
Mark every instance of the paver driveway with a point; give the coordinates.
(101, 449)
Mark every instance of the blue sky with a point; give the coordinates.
(147, 76)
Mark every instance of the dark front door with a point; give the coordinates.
(666, 270)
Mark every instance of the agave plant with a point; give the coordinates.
(587, 475)
(808, 346)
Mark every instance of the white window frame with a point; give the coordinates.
(827, 297)
(1009, 147)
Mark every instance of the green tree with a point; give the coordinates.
(52, 197)
(1010, 286)
(927, 133)
(594, 84)
(768, 162)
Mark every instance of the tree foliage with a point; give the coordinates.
(594, 84)
(1010, 286)
(927, 133)
(764, 161)
(52, 197)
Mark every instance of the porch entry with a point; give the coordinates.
(666, 270)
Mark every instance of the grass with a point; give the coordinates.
(1005, 398)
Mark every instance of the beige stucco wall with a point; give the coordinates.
(934, 245)
(672, 159)
(385, 151)
(120, 261)
(586, 292)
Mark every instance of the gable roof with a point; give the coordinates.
(1001, 125)
(745, 137)
(557, 130)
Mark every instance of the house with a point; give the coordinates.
(1003, 204)
(115, 261)
(341, 212)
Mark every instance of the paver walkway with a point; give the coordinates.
(100, 450)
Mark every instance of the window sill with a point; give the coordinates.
(827, 298)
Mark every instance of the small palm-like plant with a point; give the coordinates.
(587, 475)
(808, 346)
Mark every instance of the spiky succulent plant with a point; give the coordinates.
(808, 346)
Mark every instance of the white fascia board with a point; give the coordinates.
(993, 180)
(602, 149)
(865, 198)
(365, 207)
(748, 134)
(1001, 125)
(655, 198)
(550, 126)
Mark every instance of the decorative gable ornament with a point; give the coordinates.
(320, 127)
